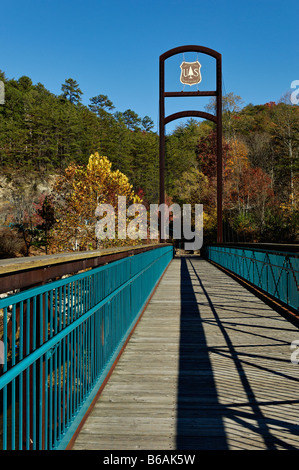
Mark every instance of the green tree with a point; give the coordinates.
(131, 119)
(101, 104)
(71, 91)
(147, 123)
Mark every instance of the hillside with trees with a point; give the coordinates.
(47, 142)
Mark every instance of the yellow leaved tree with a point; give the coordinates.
(78, 192)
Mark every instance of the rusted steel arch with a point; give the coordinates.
(181, 49)
(182, 114)
(163, 120)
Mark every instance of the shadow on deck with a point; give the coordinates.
(203, 416)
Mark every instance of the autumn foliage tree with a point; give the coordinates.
(247, 192)
(77, 194)
(29, 215)
(206, 155)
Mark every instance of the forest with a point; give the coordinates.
(60, 158)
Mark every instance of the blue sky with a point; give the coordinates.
(112, 47)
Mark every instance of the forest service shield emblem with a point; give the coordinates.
(190, 73)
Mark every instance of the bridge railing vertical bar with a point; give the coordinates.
(59, 340)
(275, 273)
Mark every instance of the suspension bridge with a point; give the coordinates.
(145, 348)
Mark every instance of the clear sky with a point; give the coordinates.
(112, 47)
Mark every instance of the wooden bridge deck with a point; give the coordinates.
(208, 367)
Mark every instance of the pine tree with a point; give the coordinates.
(71, 91)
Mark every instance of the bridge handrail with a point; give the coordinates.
(20, 273)
(63, 338)
(275, 272)
(279, 248)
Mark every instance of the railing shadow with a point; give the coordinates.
(200, 415)
(198, 409)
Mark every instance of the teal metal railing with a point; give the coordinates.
(63, 338)
(274, 272)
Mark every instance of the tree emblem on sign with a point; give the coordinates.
(190, 73)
